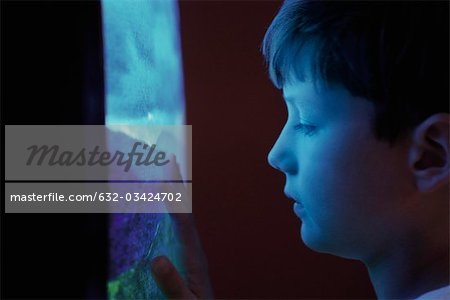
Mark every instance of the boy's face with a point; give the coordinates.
(353, 187)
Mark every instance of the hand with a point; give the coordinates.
(168, 279)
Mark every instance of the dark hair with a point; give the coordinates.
(395, 54)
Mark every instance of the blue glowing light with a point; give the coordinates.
(144, 85)
(143, 68)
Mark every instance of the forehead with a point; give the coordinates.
(328, 100)
(299, 78)
(295, 89)
(306, 89)
(307, 94)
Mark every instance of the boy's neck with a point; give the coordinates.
(408, 273)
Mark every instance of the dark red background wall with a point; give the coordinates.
(248, 229)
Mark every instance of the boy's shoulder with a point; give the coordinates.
(439, 294)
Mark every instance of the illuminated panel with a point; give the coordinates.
(144, 85)
(142, 62)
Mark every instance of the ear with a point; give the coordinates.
(429, 153)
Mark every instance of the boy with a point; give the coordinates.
(365, 149)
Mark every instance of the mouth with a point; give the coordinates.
(297, 202)
(299, 210)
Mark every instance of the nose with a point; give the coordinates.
(282, 155)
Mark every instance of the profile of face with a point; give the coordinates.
(351, 189)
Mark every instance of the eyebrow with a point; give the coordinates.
(300, 103)
(292, 100)
(288, 99)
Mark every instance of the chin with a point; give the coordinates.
(311, 239)
(319, 243)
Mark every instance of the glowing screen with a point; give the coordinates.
(144, 85)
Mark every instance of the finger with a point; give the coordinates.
(192, 255)
(169, 280)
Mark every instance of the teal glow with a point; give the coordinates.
(143, 67)
(144, 85)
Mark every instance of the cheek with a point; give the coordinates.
(330, 170)
(326, 181)
(345, 185)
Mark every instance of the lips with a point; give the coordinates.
(290, 196)
(299, 210)
(299, 204)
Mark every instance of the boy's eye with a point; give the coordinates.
(305, 128)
